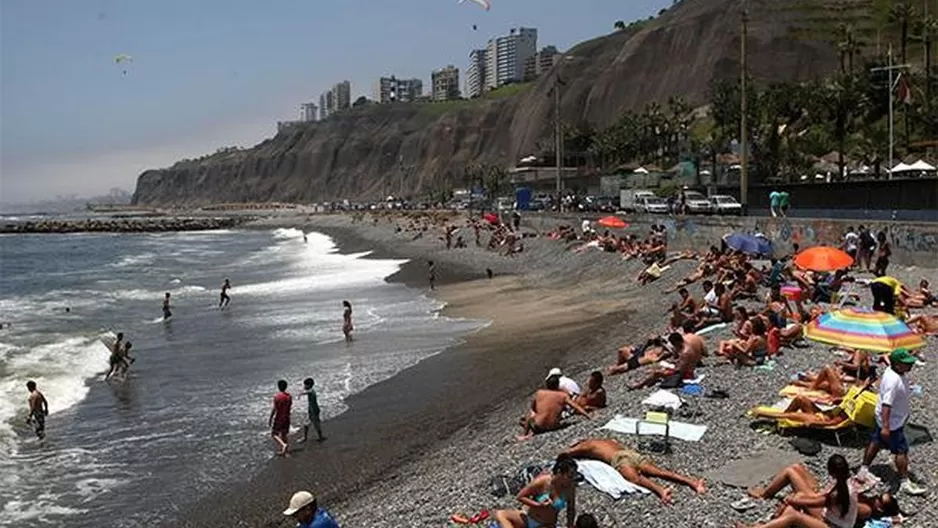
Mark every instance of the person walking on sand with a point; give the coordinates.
(892, 413)
(313, 411)
(38, 409)
(224, 299)
(279, 420)
(347, 321)
(306, 512)
(431, 275)
(167, 313)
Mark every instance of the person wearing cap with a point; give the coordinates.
(307, 513)
(566, 384)
(892, 412)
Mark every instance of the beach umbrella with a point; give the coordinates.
(749, 244)
(821, 258)
(863, 329)
(613, 222)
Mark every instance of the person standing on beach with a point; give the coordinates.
(115, 360)
(224, 298)
(279, 420)
(347, 321)
(313, 411)
(307, 513)
(166, 308)
(38, 409)
(431, 274)
(892, 412)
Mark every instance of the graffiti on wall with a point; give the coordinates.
(831, 233)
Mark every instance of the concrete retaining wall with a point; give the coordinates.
(912, 243)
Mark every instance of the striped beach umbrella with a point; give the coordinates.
(863, 329)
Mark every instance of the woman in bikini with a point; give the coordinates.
(544, 498)
(750, 351)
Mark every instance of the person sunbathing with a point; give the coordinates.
(544, 498)
(924, 324)
(687, 254)
(804, 412)
(828, 380)
(594, 397)
(806, 487)
(923, 297)
(753, 351)
(689, 352)
(635, 467)
(704, 270)
(547, 408)
(688, 304)
(632, 357)
(723, 309)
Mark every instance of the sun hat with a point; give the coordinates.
(298, 501)
(554, 372)
(902, 356)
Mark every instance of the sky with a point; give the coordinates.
(212, 73)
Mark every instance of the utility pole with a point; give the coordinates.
(890, 87)
(558, 137)
(743, 140)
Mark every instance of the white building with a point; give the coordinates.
(337, 98)
(391, 89)
(308, 112)
(475, 73)
(507, 55)
(445, 83)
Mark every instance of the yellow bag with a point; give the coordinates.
(860, 407)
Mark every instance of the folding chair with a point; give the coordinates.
(655, 418)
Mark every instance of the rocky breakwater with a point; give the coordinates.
(124, 225)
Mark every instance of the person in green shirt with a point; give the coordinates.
(783, 203)
(313, 410)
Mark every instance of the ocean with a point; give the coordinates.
(191, 416)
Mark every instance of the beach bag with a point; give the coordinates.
(775, 343)
(806, 446)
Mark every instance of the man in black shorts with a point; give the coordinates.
(224, 298)
(38, 409)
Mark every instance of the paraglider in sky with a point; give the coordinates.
(123, 60)
(487, 4)
(474, 27)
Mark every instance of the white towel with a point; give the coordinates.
(679, 430)
(606, 479)
(663, 398)
(710, 328)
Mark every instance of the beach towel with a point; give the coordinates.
(606, 479)
(710, 328)
(680, 430)
(663, 398)
(748, 472)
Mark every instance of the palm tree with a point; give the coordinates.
(903, 14)
(928, 32)
(619, 25)
(847, 46)
(845, 102)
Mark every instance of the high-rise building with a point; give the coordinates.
(337, 98)
(507, 55)
(475, 73)
(308, 112)
(545, 60)
(391, 89)
(445, 83)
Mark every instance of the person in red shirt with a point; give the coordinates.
(279, 420)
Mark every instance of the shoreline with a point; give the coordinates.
(402, 422)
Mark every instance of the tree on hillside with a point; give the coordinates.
(847, 46)
(361, 101)
(928, 32)
(845, 101)
(619, 25)
(903, 15)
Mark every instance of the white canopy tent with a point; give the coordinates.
(921, 165)
(902, 167)
(640, 170)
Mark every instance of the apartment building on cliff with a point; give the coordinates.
(475, 73)
(506, 56)
(336, 99)
(391, 89)
(445, 83)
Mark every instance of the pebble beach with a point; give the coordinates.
(581, 307)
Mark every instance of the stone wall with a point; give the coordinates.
(912, 243)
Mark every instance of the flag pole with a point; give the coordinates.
(891, 141)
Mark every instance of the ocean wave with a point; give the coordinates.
(60, 369)
(287, 233)
(141, 259)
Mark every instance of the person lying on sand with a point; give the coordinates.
(811, 505)
(834, 382)
(803, 411)
(922, 297)
(924, 324)
(689, 352)
(635, 467)
(595, 395)
(632, 357)
(704, 270)
(547, 408)
(544, 498)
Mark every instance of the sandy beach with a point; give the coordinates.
(423, 445)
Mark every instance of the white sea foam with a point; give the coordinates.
(286, 233)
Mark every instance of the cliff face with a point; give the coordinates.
(371, 151)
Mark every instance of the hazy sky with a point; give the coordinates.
(213, 73)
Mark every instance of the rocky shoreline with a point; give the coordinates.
(124, 225)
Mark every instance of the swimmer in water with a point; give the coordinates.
(116, 352)
(38, 409)
(304, 238)
(347, 321)
(431, 274)
(224, 299)
(166, 307)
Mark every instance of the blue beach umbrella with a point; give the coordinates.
(749, 244)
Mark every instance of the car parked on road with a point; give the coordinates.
(696, 203)
(724, 204)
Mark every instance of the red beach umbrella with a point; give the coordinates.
(822, 258)
(612, 222)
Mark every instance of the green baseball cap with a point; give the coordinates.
(902, 356)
